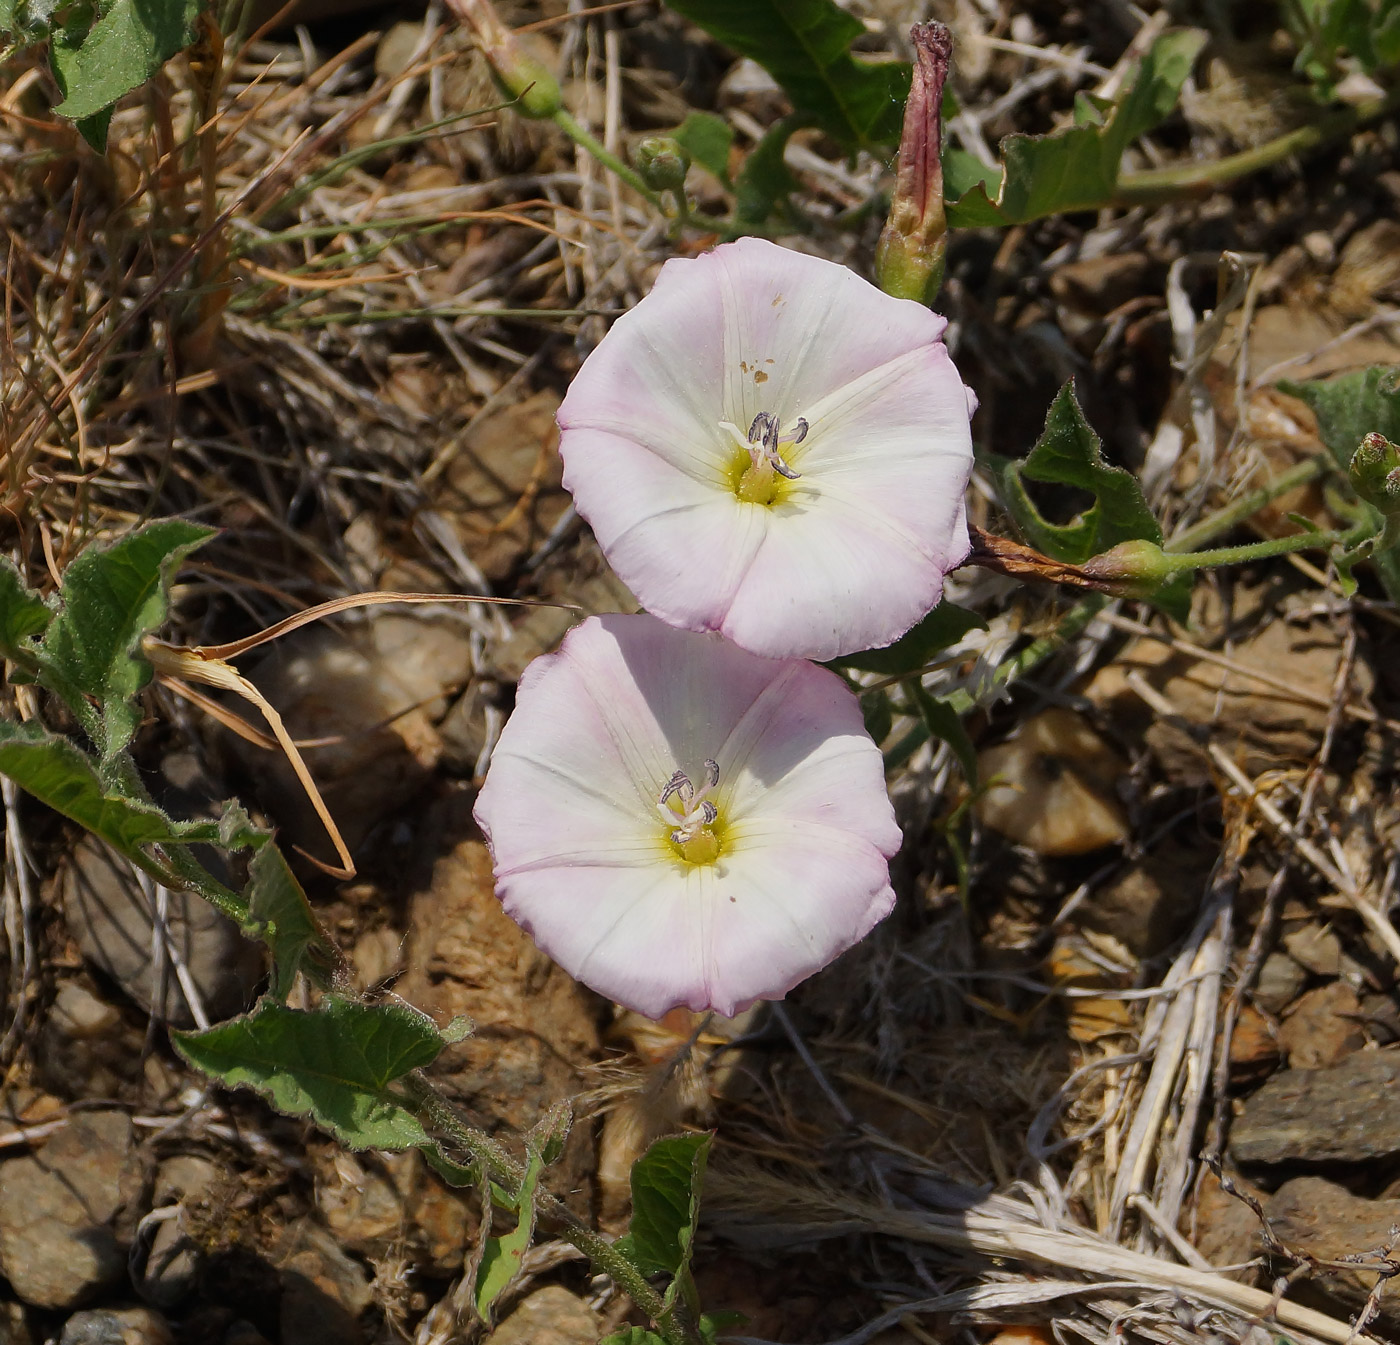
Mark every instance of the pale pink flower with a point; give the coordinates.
(677, 821)
(769, 447)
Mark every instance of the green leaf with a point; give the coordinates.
(945, 725)
(126, 46)
(59, 775)
(914, 650)
(765, 179)
(707, 138)
(1068, 453)
(277, 905)
(1077, 167)
(1351, 406)
(712, 1323)
(111, 597)
(23, 614)
(501, 1257)
(1348, 408)
(452, 1172)
(334, 1064)
(805, 45)
(878, 714)
(633, 1335)
(666, 1203)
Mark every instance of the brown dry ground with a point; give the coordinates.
(303, 309)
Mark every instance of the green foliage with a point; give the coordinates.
(281, 916)
(806, 46)
(63, 777)
(99, 56)
(1348, 408)
(501, 1257)
(633, 1335)
(666, 1203)
(111, 597)
(915, 649)
(1077, 167)
(707, 139)
(765, 181)
(23, 614)
(336, 1064)
(1068, 454)
(944, 724)
(1328, 31)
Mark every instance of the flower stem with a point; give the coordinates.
(1177, 563)
(605, 156)
(1198, 179)
(1248, 504)
(439, 1115)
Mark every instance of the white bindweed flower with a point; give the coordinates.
(677, 821)
(769, 447)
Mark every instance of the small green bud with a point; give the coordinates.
(1375, 473)
(1139, 567)
(662, 162)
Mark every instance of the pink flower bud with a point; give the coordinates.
(910, 254)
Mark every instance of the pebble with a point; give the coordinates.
(1056, 794)
(1316, 948)
(109, 915)
(1321, 1219)
(324, 1291)
(1345, 1113)
(56, 1244)
(14, 1325)
(116, 1326)
(78, 1014)
(1226, 1230)
(1281, 981)
(171, 1270)
(1323, 1027)
(549, 1316)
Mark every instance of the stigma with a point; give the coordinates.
(764, 442)
(692, 814)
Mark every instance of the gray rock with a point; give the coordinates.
(116, 1326)
(56, 1244)
(1281, 981)
(1345, 1113)
(170, 1272)
(110, 916)
(1319, 1218)
(549, 1316)
(324, 1291)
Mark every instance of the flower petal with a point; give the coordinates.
(585, 864)
(855, 551)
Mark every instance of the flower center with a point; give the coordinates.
(758, 481)
(692, 815)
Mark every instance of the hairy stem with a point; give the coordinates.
(1273, 546)
(605, 156)
(1248, 504)
(440, 1116)
(1198, 179)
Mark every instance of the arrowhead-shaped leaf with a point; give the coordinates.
(1077, 167)
(126, 46)
(806, 46)
(335, 1064)
(111, 596)
(277, 905)
(666, 1203)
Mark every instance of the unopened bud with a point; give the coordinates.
(1137, 569)
(662, 162)
(521, 77)
(1375, 473)
(910, 254)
